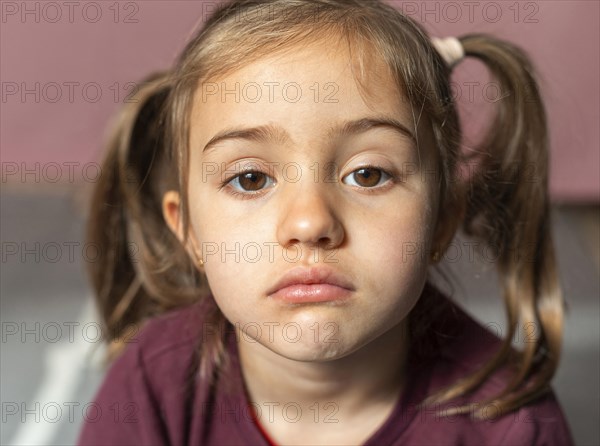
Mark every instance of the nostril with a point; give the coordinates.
(326, 243)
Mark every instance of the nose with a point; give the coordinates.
(308, 218)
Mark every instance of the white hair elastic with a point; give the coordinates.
(449, 48)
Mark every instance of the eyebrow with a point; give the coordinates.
(268, 133)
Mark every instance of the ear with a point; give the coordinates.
(172, 215)
(450, 216)
(170, 208)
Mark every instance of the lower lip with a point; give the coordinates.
(313, 293)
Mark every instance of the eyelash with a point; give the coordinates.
(249, 194)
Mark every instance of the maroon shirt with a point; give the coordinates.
(146, 397)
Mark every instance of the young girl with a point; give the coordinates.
(269, 214)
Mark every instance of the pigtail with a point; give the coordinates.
(142, 269)
(508, 208)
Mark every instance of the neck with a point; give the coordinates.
(371, 377)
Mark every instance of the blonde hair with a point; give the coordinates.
(501, 207)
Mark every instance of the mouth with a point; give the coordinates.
(312, 285)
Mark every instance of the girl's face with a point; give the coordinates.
(301, 125)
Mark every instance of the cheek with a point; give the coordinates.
(401, 239)
(229, 247)
(398, 248)
(235, 287)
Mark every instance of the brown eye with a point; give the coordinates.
(367, 177)
(252, 181)
(249, 181)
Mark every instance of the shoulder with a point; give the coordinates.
(149, 381)
(164, 346)
(448, 335)
(465, 345)
(168, 334)
(167, 346)
(541, 422)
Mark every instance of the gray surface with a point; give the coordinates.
(50, 292)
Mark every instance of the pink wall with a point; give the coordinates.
(66, 46)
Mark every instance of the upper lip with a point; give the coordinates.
(311, 276)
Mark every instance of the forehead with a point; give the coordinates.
(308, 89)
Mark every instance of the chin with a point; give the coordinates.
(311, 352)
(332, 341)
